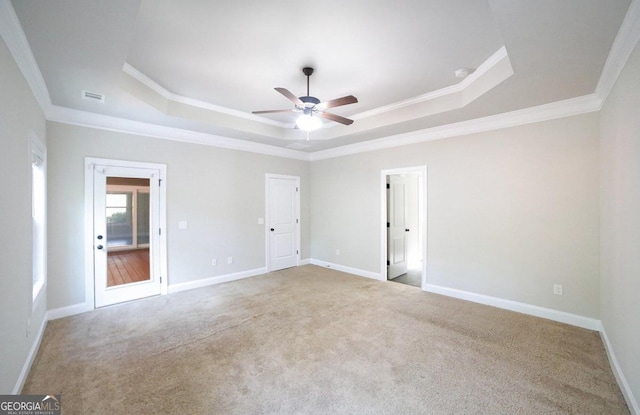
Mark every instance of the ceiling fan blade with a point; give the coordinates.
(349, 99)
(334, 117)
(271, 111)
(290, 96)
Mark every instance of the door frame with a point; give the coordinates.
(421, 171)
(89, 163)
(267, 177)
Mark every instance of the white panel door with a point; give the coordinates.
(104, 293)
(282, 221)
(397, 227)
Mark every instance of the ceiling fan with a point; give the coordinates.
(311, 107)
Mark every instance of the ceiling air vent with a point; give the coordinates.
(93, 96)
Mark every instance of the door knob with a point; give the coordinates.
(272, 229)
(99, 246)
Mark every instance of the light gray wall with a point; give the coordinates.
(509, 212)
(219, 192)
(19, 112)
(620, 221)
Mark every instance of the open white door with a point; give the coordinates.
(107, 206)
(283, 214)
(396, 227)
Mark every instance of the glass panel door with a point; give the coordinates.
(128, 216)
(124, 269)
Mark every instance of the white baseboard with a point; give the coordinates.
(67, 311)
(555, 315)
(82, 307)
(348, 270)
(175, 288)
(533, 310)
(30, 358)
(548, 313)
(617, 372)
(74, 309)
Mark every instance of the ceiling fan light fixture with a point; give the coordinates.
(307, 122)
(310, 106)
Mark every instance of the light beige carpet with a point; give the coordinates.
(310, 340)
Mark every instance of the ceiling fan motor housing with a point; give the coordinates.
(312, 106)
(310, 101)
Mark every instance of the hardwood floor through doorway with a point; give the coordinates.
(124, 267)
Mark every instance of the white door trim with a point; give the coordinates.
(269, 176)
(89, 162)
(422, 172)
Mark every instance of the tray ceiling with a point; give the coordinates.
(203, 66)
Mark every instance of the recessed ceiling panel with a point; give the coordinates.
(216, 61)
(233, 54)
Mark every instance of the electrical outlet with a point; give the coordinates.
(557, 289)
(214, 262)
(229, 260)
(337, 252)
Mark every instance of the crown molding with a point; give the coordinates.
(623, 45)
(16, 41)
(144, 79)
(627, 38)
(159, 89)
(560, 109)
(104, 122)
(475, 78)
(485, 67)
(18, 45)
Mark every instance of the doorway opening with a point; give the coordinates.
(125, 212)
(403, 226)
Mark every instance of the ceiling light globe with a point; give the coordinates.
(307, 122)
